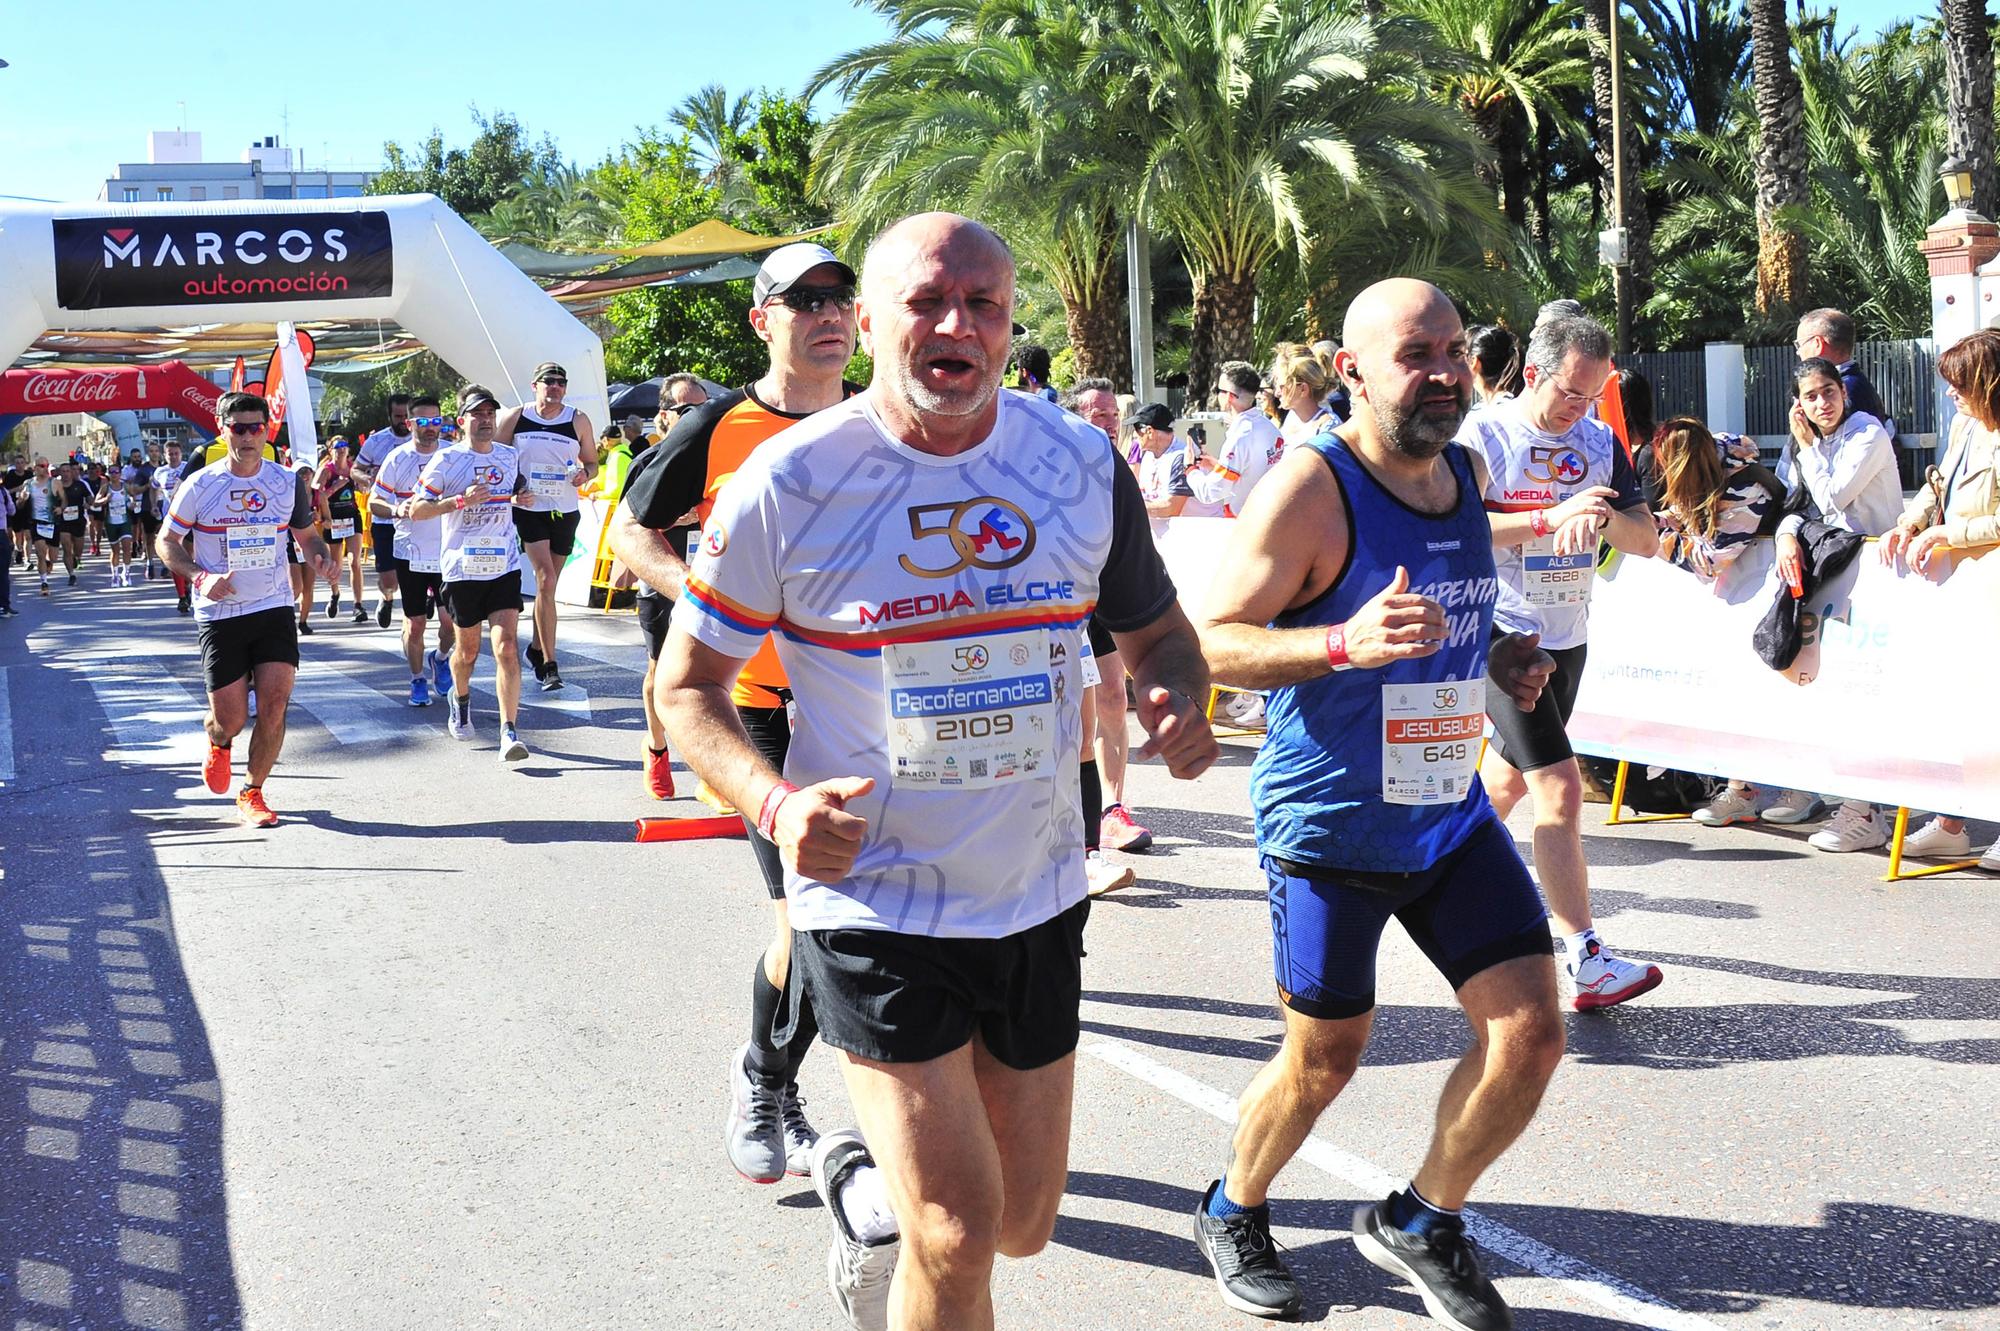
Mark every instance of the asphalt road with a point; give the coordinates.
(446, 1049)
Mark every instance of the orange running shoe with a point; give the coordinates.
(659, 774)
(250, 807)
(215, 771)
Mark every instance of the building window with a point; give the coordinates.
(166, 194)
(347, 191)
(312, 191)
(198, 193)
(277, 191)
(131, 194)
(231, 192)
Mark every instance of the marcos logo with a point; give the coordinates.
(246, 501)
(985, 533)
(1558, 465)
(156, 257)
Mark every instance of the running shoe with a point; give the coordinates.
(458, 720)
(420, 692)
(708, 795)
(1101, 876)
(1791, 807)
(859, 1273)
(1728, 807)
(72, 577)
(215, 770)
(535, 658)
(1933, 841)
(1244, 1259)
(382, 613)
(45, 592)
(1855, 826)
(184, 605)
(1442, 1264)
(250, 807)
(660, 774)
(512, 750)
(332, 604)
(8, 611)
(1117, 831)
(551, 677)
(754, 1134)
(799, 1135)
(440, 668)
(1990, 861)
(360, 616)
(1602, 980)
(306, 628)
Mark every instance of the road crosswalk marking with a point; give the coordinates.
(152, 717)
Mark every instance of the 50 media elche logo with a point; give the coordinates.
(226, 258)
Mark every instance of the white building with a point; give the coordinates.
(175, 172)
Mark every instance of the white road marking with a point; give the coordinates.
(153, 718)
(6, 731)
(1620, 1298)
(351, 711)
(573, 699)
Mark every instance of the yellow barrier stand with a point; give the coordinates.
(1215, 692)
(1618, 818)
(1896, 874)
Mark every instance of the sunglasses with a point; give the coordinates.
(241, 427)
(427, 422)
(553, 380)
(811, 300)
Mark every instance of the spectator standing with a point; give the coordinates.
(1031, 364)
(1711, 504)
(678, 392)
(1249, 449)
(1496, 364)
(1302, 381)
(1162, 467)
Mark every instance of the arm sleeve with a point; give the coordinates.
(1134, 589)
(734, 595)
(672, 476)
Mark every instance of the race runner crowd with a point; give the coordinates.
(896, 625)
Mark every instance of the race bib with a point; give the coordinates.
(1430, 740)
(484, 558)
(71, 513)
(251, 546)
(422, 564)
(547, 483)
(1092, 676)
(45, 530)
(965, 715)
(1550, 579)
(340, 529)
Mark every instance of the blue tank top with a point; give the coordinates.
(1317, 784)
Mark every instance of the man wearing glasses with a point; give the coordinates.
(558, 451)
(416, 545)
(1555, 481)
(1249, 449)
(804, 311)
(223, 536)
(679, 393)
(381, 532)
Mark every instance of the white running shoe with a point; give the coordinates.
(1854, 827)
(858, 1272)
(1602, 980)
(512, 750)
(1245, 711)
(1933, 841)
(754, 1135)
(1730, 806)
(1101, 876)
(1990, 861)
(800, 1137)
(1791, 807)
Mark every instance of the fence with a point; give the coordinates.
(1903, 372)
(1679, 380)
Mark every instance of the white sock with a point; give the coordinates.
(864, 1200)
(1574, 946)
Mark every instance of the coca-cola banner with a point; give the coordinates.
(169, 386)
(221, 259)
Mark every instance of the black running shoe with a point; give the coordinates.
(1245, 1261)
(551, 677)
(332, 604)
(535, 659)
(306, 628)
(382, 613)
(1441, 1264)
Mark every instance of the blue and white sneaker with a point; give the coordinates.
(420, 692)
(440, 668)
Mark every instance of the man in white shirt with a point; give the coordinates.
(1249, 449)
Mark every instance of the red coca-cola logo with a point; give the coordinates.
(89, 388)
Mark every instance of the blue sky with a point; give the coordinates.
(88, 81)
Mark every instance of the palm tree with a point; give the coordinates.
(716, 122)
(1705, 47)
(1261, 123)
(1781, 163)
(997, 109)
(1968, 46)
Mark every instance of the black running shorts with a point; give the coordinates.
(422, 593)
(472, 602)
(233, 648)
(382, 538)
(771, 731)
(558, 529)
(1529, 740)
(907, 998)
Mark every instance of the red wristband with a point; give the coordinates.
(1539, 521)
(1336, 648)
(459, 502)
(767, 816)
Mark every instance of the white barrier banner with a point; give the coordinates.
(1892, 700)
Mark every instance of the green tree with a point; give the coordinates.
(470, 180)
(773, 153)
(1782, 163)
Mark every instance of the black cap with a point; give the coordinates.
(475, 395)
(1154, 414)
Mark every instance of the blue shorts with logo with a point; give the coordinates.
(1472, 910)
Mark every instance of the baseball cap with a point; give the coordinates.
(785, 265)
(1154, 414)
(546, 368)
(477, 395)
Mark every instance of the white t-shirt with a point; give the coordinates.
(418, 541)
(930, 614)
(1527, 468)
(1298, 429)
(236, 525)
(1249, 451)
(378, 446)
(476, 543)
(1162, 476)
(1851, 475)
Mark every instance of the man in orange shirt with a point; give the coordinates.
(803, 309)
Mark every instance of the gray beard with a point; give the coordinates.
(928, 400)
(1414, 435)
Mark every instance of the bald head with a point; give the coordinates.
(937, 315)
(1403, 361)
